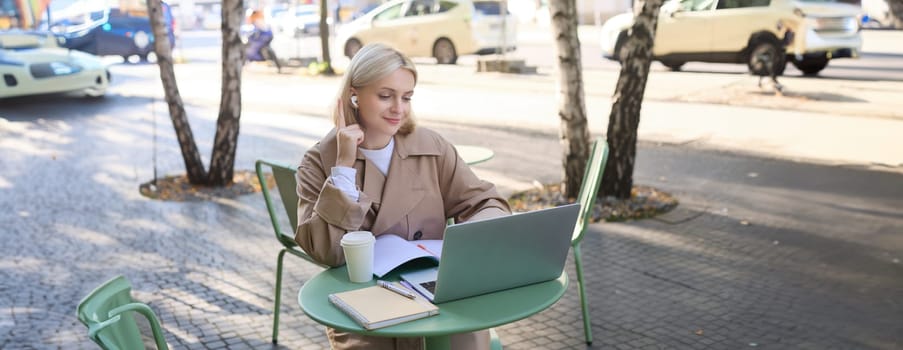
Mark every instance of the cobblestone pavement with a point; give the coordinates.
(760, 253)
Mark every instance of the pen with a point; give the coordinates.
(421, 246)
(401, 291)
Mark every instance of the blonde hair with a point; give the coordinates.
(371, 63)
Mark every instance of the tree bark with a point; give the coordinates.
(324, 38)
(895, 7)
(194, 166)
(624, 119)
(225, 142)
(573, 131)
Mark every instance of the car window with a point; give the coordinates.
(736, 4)
(488, 8)
(446, 5)
(419, 8)
(389, 13)
(696, 5)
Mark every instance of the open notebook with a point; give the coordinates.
(391, 251)
(377, 307)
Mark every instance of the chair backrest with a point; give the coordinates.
(595, 166)
(287, 187)
(107, 312)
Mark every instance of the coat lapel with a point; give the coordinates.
(402, 192)
(373, 180)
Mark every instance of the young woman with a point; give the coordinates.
(376, 171)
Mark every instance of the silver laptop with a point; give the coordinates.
(500, 253)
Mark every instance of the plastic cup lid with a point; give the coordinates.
(357, 238)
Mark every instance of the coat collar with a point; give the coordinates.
(420, 142)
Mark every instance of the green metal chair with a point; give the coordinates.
(107, 312)
(595, 166)
(286, 185)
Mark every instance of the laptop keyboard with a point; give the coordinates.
(430, 286)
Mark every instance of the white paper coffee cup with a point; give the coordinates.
(358, 248)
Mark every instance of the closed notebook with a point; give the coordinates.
(377, 307)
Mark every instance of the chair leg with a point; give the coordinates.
(495, 343)
(278, 296)
(587, 327)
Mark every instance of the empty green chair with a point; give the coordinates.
(287, 186)
(107, 312)
(587, 198)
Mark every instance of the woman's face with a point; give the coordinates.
(384, 106)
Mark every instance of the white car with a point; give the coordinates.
(877, 14)
(32, 63)
(300, 20)
(809, 33)
(444, 29)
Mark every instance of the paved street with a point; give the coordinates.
(764, 251)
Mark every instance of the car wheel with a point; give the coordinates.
(811, 66)
(352, 46)
(766, 57)
(444, 51)
(674, 66)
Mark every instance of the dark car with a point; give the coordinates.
(115, 31)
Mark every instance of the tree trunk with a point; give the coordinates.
(324, 38)
(895, 7)
(573, 132)
(194, 166)
(624, 120)
(225, 142)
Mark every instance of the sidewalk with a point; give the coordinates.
(862, 129)
(822, 120)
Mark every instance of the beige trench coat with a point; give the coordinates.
(427, 183)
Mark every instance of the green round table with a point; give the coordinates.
(474, 154)
(464, 315)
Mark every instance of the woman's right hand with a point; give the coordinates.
(348, 137)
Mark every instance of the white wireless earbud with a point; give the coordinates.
(354, 101)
